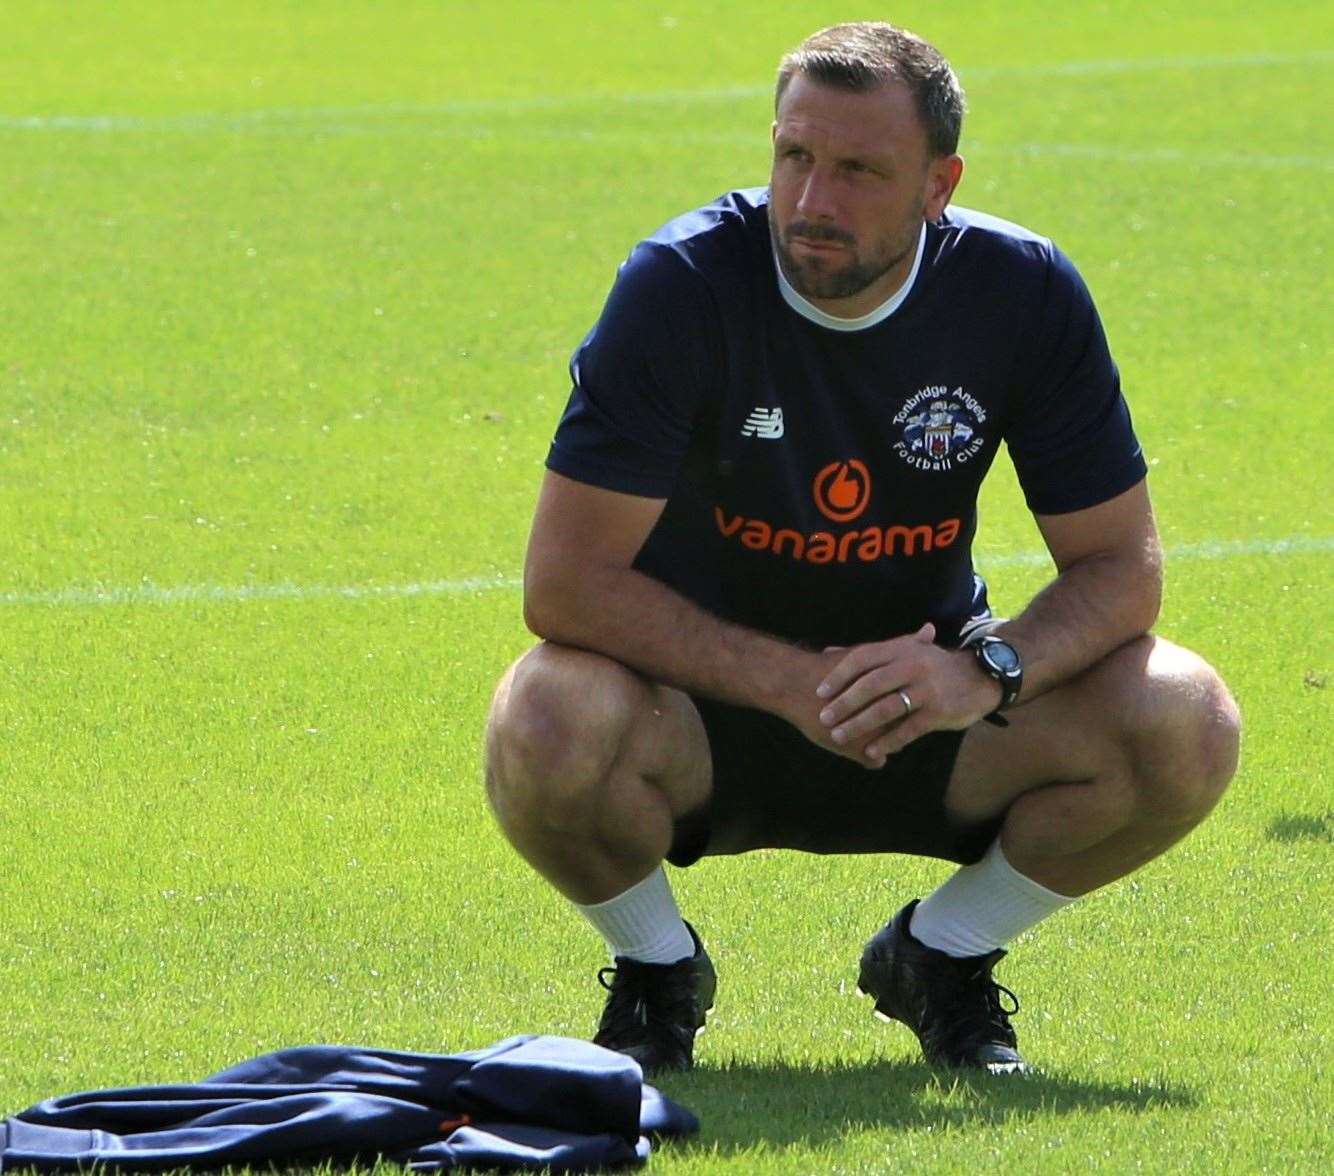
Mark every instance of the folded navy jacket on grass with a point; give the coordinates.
(525, 1102)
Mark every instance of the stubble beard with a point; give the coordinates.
(811, 279)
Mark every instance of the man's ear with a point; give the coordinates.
(942, 177)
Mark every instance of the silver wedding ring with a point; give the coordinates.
(907, 703)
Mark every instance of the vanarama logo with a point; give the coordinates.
(842, 489)
(842, 492)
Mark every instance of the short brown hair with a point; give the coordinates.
(865, 55)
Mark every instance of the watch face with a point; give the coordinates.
(1002, 656)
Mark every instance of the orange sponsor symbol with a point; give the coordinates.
(842, 490)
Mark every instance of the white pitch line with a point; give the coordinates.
(259, 120)
(245, 593)
(1206, 549)
(256, 119)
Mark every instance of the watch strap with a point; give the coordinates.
(1010, 683)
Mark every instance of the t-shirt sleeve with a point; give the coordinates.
(639, 379)
(1071, 438)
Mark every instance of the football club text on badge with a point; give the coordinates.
(940, 428)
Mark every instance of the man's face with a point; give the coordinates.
(853, 180)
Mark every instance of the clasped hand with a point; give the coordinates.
(878, 697)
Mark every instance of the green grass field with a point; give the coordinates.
(288, 292)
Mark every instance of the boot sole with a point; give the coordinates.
(1018, 1069)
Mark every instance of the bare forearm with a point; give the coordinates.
(1091, 608)
(648, 626)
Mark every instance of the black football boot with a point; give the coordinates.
(952, 1004)
(654, 1011)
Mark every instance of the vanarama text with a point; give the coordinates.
(822, 547)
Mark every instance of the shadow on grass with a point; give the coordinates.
(782, 1105)
(1302, 827)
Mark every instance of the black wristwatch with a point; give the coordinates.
(1001, 662)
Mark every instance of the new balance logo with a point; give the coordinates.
(764, 422)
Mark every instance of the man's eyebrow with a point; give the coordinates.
(880, 160)
(882, 156)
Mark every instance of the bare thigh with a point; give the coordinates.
(1100, 725)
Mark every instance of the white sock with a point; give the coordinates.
(982, 907)
(642, 923)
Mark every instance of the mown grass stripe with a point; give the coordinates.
(240, 124)
(149, 593)
(239, 120)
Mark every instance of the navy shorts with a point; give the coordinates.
(773, 788)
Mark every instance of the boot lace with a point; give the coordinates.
(975, 1012)
(646, 1002)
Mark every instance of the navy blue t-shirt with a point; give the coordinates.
(821, 482)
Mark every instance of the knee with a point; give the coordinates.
(1186, 735)
(557, 721)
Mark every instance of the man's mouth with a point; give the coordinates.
(814, 245)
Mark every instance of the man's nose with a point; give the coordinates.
(815, 200)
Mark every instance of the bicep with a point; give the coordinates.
(1121, 527)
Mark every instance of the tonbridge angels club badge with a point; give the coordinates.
(941, 428)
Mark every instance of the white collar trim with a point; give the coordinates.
(871, 317)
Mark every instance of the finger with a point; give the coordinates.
(860, 658)
(876, 683)
(858, 756)
(885, 712)
(856, 662)
(914, 663)
(894, 741)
